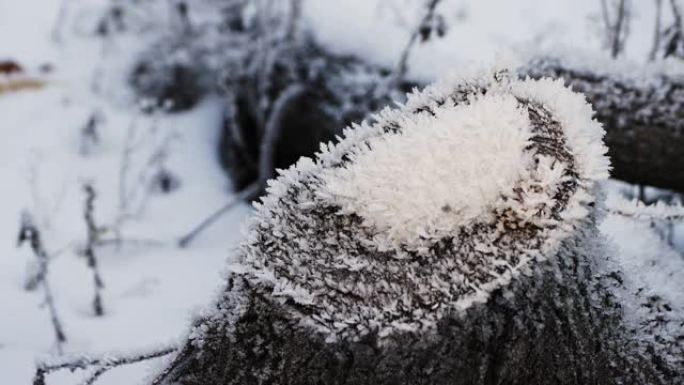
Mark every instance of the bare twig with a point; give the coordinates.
(89, 250)
(617, 30)
(29, 233)
(402, 67)
(657, 30)
(677, 13)
(607, 25)
(103, 363)
(89, 133)
(130, 241)
(247, 193)
(618, 39)
(96, 374)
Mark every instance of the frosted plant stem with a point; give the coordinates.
(656, 32)
(246, 193)
(104, 363)
(31, 234)
(403, 61)
(89, 251)
(618, 40)
(60, 337)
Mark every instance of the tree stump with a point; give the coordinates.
(452, 241)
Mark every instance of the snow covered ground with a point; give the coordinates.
(151, 290)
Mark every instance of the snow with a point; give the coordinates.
(152, 291)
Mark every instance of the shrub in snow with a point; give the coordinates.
(169, 77)
(452, 241)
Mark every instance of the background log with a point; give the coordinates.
(643, 114)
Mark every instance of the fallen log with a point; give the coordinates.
(642, 110)
(452, 241)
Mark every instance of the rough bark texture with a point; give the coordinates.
(643, 115)
(556, 321)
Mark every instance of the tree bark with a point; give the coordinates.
(531, 304)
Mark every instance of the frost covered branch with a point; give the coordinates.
(402, 66)
(674, 35)
(102, 364)
(616, 26)
(247, 193)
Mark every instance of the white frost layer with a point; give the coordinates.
(439, 172)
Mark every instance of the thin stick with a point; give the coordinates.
(657, 30)
(677, 13)
(103, 363)
(96, 374)
(403, 60)
(246, 193)
(30, 233)
(140, 242)
(606, 19)
(89, 251)
(619, 25)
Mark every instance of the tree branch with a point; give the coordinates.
(104, 363)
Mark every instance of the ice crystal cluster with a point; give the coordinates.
(428, 209)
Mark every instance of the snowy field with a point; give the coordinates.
(152, 287)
